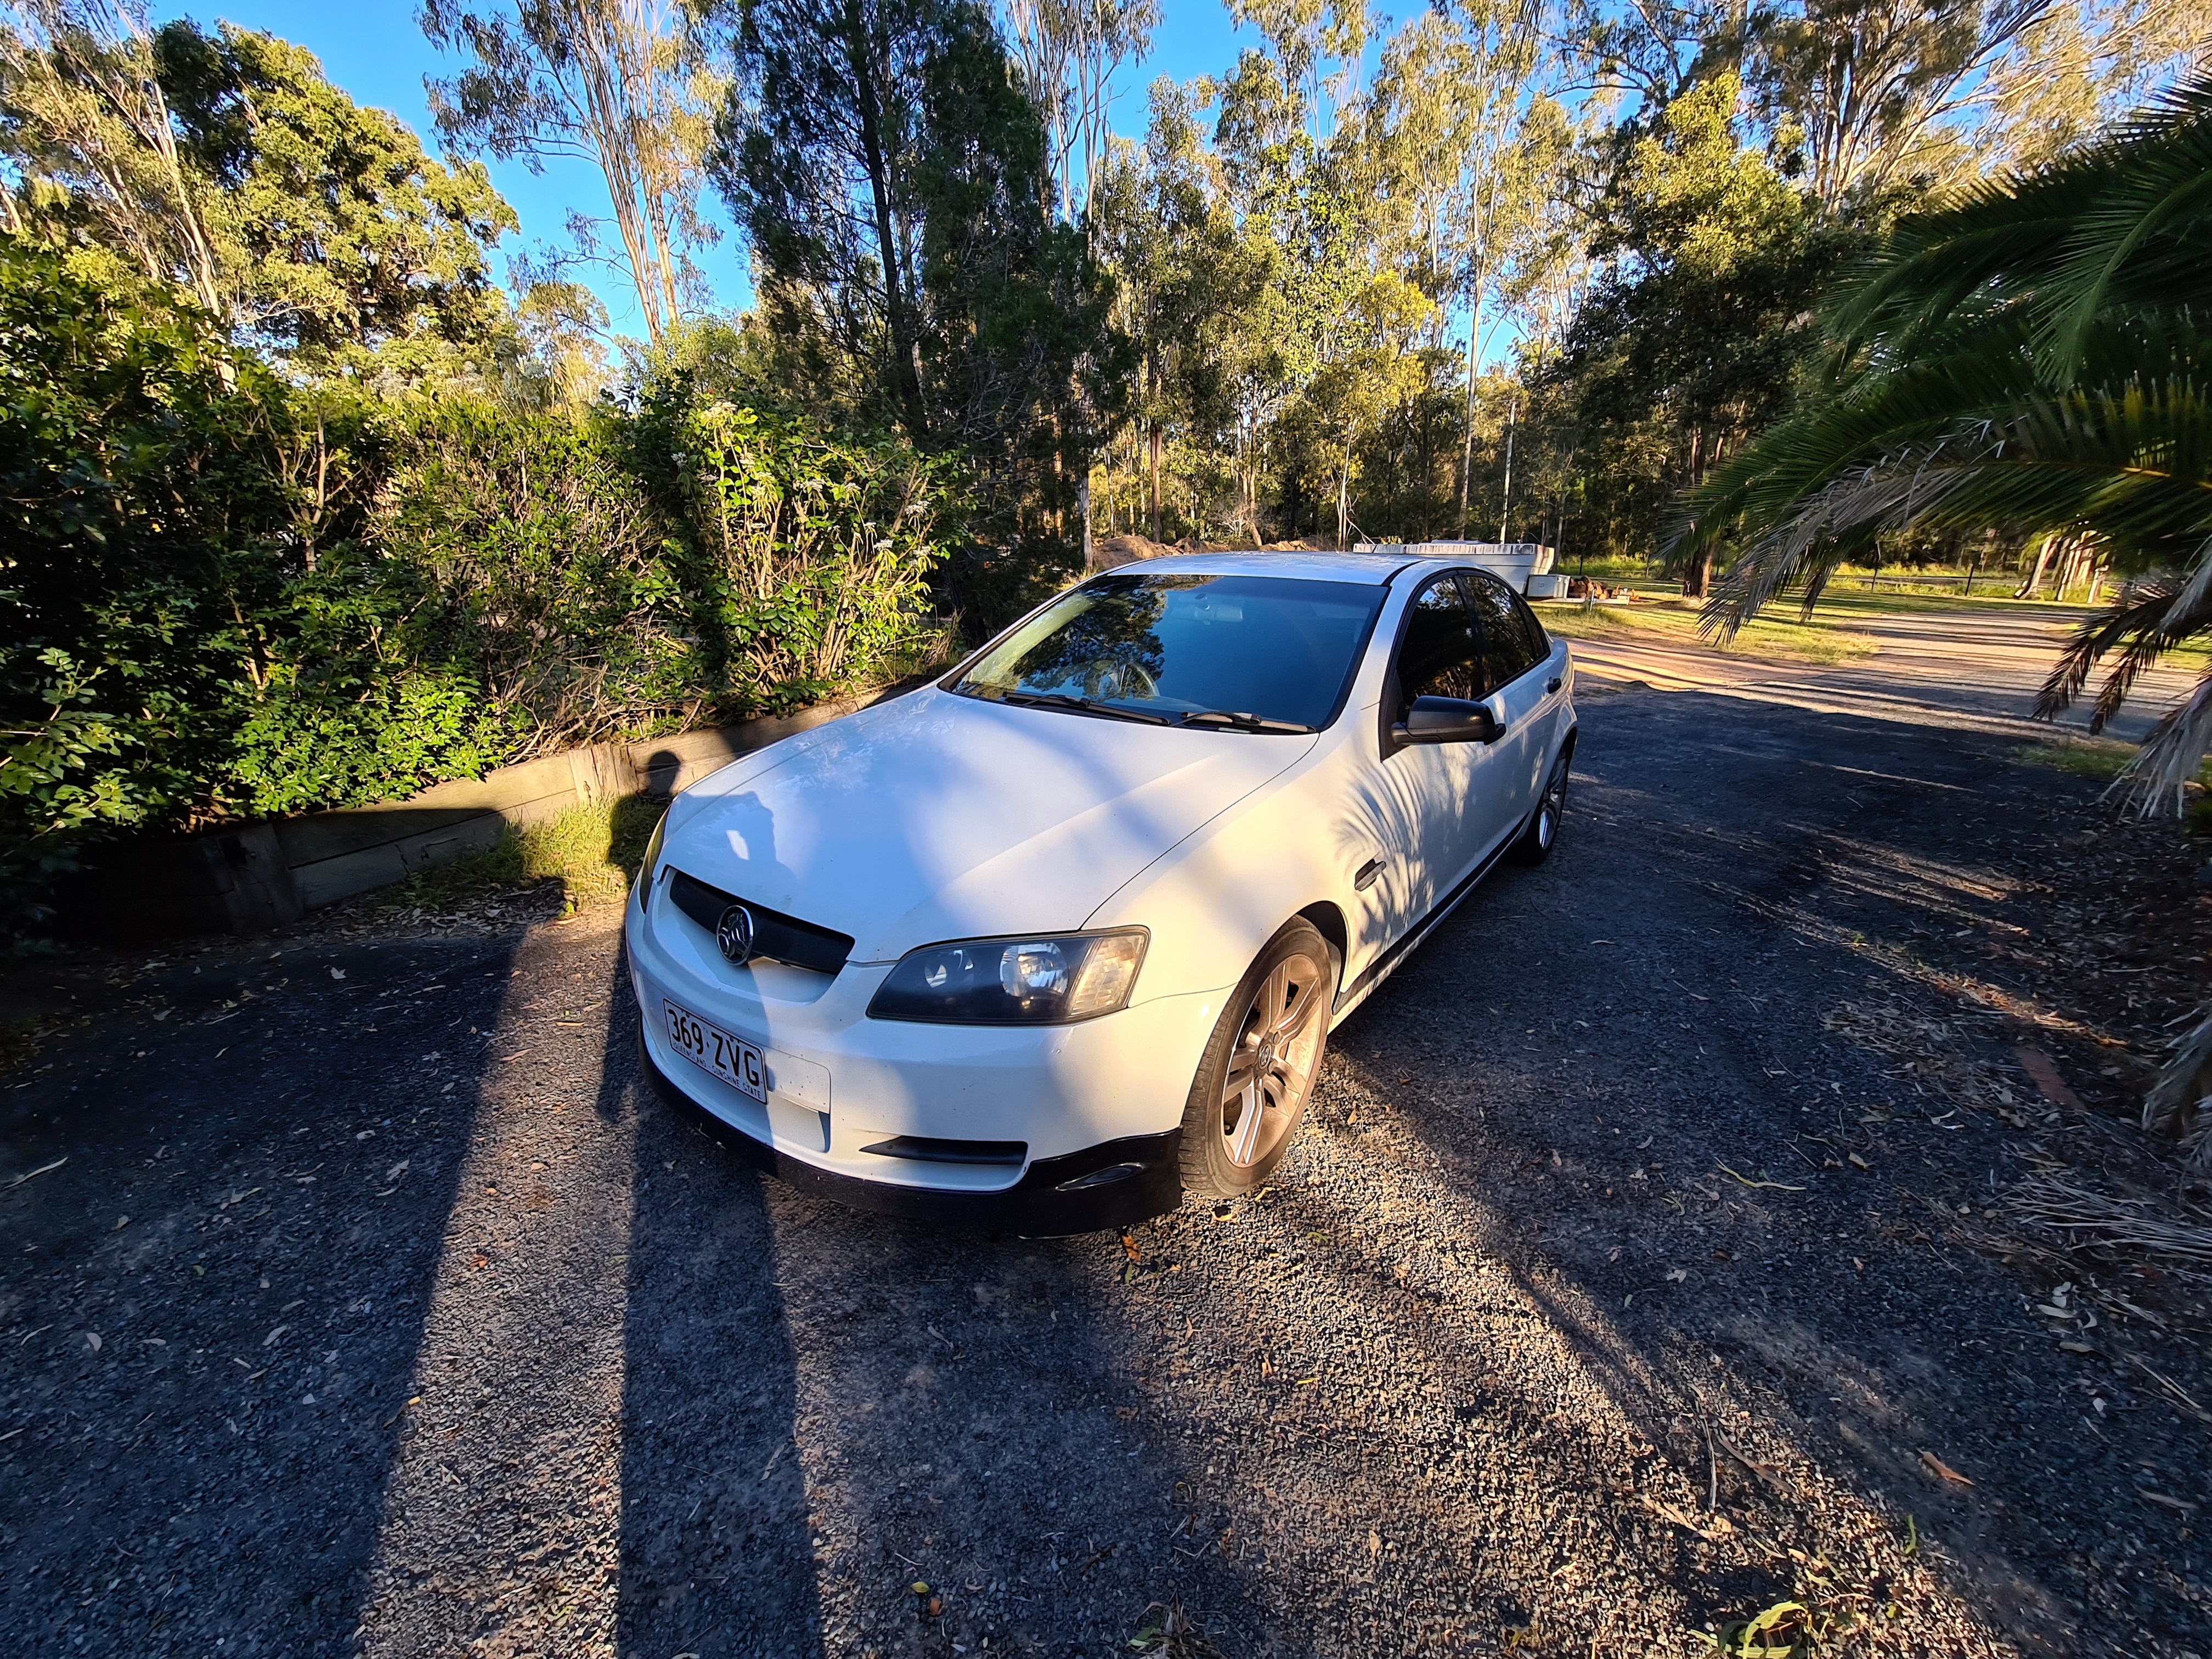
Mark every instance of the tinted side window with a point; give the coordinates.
(1508, 649)
(1539, 643)
(1437, 657)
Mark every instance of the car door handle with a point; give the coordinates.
(1552, 683)
(1368, 874)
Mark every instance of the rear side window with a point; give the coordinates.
(1539, 643)
(1439, 655)
(1511, 641)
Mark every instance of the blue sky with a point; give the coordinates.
(374, 51)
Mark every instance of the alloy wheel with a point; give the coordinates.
(1554, 803)
(1271, 1068)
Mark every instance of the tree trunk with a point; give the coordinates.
(1155, 480)
(1344, 502)
(2026, 589)
(1698, 579)
(1466, 448)
(2078, 557)
(1505, 496)
(905, 350)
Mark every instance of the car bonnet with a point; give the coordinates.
(936, 816)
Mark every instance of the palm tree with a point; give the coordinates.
(2034, 357)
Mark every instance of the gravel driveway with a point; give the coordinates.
(377, 1308)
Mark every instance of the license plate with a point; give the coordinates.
(735, 1061)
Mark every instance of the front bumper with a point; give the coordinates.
(898, 1117)
(1051, 1199)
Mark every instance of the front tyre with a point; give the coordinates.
(1536, 840)
(1259, 1066)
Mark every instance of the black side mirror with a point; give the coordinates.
(1448, 720)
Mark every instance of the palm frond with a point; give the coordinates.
(2170, 755)
(2142, 624)
(2030, 356)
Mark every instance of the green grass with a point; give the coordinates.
(1675, 619)
(592, 850)
(2102, 759)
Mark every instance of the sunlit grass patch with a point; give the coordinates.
(1675, 619)
(592, 850)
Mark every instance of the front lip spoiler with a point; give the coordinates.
(1038, 1205)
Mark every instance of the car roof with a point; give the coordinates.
(1375, 568)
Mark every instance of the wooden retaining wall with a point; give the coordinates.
(259, 876)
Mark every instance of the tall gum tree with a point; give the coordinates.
(620, 84)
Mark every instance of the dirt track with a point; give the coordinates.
(422, 1329)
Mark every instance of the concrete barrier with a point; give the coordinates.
(258, 876)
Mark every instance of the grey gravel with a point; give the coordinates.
(388, 1314)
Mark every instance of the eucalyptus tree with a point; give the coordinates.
(1069, 52)
(1690, 337)
(889, 172)
(1502, 167)
(1186, 280)
(1318, 47)
(228, 165)
(621, 85)
(87, 124)
(1865, 95)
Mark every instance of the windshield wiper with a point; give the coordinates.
(1079, 706)
(1239, 720)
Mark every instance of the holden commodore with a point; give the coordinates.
(1061, 936)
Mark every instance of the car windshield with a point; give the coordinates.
(1252, 654)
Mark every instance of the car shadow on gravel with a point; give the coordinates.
(714, 1536)
(825, 1409)
(215, 1290)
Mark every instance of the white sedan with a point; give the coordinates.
(1060, 937)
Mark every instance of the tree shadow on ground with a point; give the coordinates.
(216, 1302)
(1633, 1096)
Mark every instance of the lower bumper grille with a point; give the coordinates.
(924, 1149)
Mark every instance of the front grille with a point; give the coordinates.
(776, 936)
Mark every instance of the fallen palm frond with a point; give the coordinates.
(2177, 1103)
(2084, 1219)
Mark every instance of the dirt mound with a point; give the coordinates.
(1111, 552)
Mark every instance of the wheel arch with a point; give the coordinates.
(1329, 921)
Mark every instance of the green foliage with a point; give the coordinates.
(229, 165)
(805, 554)
(541, 561)
(225, 596)
(1692, 342)
(340, 243)
(141, 523)
(892, 179)
(297, 750)
(2031, 359)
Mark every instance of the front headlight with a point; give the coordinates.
(1024, 981)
